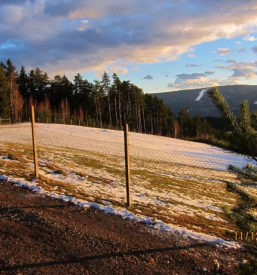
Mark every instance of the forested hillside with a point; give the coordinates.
(197, 101)
(107, 103)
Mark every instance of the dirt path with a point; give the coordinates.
(39, 235)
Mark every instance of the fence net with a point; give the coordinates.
(174, 181)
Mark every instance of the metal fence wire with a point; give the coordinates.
(172, 180)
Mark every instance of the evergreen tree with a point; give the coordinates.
(23, 82)
(106, 88)
(244, 135)
(10, 68)
(4, 98)
(184, 121)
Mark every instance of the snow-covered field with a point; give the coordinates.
(174, 182)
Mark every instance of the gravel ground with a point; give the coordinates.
(39, 235)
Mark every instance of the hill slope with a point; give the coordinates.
(198, 101)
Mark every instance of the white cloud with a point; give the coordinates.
(201, 82)
(250, 38)
(119, 70)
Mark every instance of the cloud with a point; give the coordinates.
(193, 65)
(116, 30)
(250, 38)
(119, 70)
(191, 55)
(209, 72)
(238, 42)
(201, 82)
(223, 51)
(244, 70)
(231, 61)
(180, 78)
(149, 77)
(242, 50)
(221, 66)
(244, 73)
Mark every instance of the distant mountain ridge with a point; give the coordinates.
(199, 102)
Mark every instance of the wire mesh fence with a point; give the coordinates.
(172, 180)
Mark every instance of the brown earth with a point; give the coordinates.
(39, 235)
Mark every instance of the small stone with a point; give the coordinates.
(152, 260)
(244, 261)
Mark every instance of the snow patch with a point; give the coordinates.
(201, 94)
(153, 224)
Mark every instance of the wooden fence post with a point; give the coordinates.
(127, 165)
(34, 141)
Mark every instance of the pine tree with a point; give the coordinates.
(22, 81)
(184, 121)
(244, 135)
(5, 105)
(106, 88)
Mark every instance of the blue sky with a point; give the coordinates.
(160, 45)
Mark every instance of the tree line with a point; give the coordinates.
(106, 103)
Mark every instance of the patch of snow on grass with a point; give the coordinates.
(125, 214)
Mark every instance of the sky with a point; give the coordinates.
(159, 45)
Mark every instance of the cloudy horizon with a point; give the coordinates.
(171, 45)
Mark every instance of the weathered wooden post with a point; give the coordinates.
(34, 141)
(127, 165)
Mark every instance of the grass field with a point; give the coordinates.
(180, 183)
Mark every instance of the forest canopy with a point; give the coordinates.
(106, 103)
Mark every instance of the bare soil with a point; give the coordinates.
(39, 235)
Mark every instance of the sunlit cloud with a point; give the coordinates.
(250, 38)
(223, 51)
